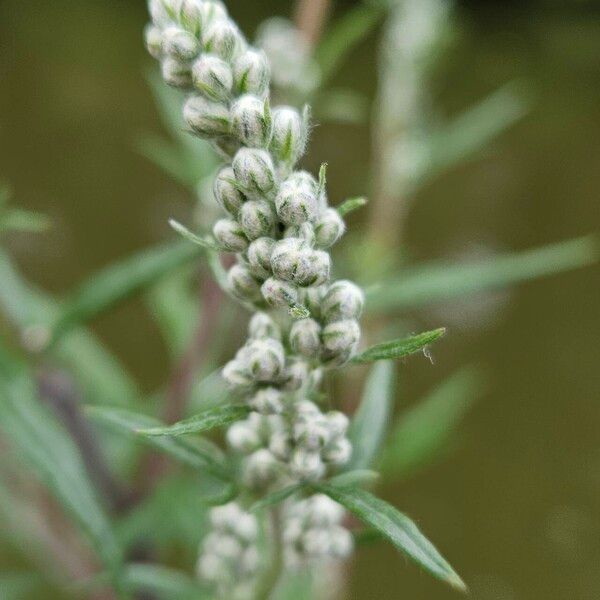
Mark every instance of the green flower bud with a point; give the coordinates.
(252, 73)
(291, 260)
(242, 284)
(260, 469)
(154, 40)
(278, 293)
(254, 170)
(236, 374)
(261, 325)
(213, 77)
(306, 465)
(320, 268)
(161, 12)
(290, 134)
(305, 232)
(180, 44)
(340, 339)
(252, 124)
(230, 235)
(337, 452)
(267, 401)
(175, 73)
(265, 359)
(296, 374)
(305, 337)
(257, 218)
(206, 118)
(223, 38)
(329, 228)
(297, 199)
(312, 298)
(226, 193)
(343, 300)
(259, 256)
(337, 422)
(243, 438)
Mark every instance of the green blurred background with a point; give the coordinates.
(515, 504)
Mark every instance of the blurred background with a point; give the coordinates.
(514, 504)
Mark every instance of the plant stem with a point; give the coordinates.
(310, 17)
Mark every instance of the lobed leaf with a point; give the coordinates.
(399, 348)
(397, 528)
(218, 416)
(440, 282)
(370, 422)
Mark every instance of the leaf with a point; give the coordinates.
(16, 219)
(343, 36)
(440, 282)
(46, 446)
(219, 416)
(168, 583)
(204, 242)
(399, 348)
(120, 281)
(471, 131)
(276, 497)
(198, 454)
(354, 478)
(369, 424)
(295, 585)
(397, 528)
(424, 431)
(350, 205)
(342, 106)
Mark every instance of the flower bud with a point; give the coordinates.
(252, 123)
(278, 293)
(254, 170)
(175, 73)
(206, 118)
(161, 12)
(320, 268)
(337, 422)
(242, 284)
(337, 452)
(190, 15)
(290, 260)
(341, 542)
(246, 527)
(329, 228)
(243, 438)
(211, 11)
(226, 193)
(340, 338)
(312, 298)
(154, 40)
(306, 465)
(223, 38)
(259, 256)
(297, 199)
(311, 432)
(260, 469)
(179, 43)
(343, 300)
(266, 359)
(252, 73)
(262, 326)
(236, 374)
(295, 374)
(257, 219)
(306, 408)
(213, 77)
(230, 235)
(267, 401)
(289, 135)
(281, 445)
(305, 337)
(305, 232)
(316, 543)
(324, 512)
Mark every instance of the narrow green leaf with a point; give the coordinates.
(341, 106)
(48, 449)
(167, 582)
(424, 432)
(169, 157)
(354, 478)
(399, 348)
(16, 219)
(397, 528)
(350, 205)
(204, 242)
(295, 585)
(370, 422)
(219, 416)
(276, 497)
(198, 454)
(120, 281)
(344, 35)
(424, 285)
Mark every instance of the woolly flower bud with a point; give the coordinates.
(211, 11)
(329, 228)
(260, 469)
(175, 73)
(289, 135)
(341, 542)
(337, 423)
(296, 374)
(324, 511)
(242, 284)
(338, 452)
(236, 374)
(280, 445)
(230, 235)
(243, 438)
(311, 431)
(223, 38)
(252, 123)
(262, 326)
(254, 170)
(297, 199)
(312, 298)
(290, 260)
(305, 232)
(154, 40)
(265, 359)
(180, 44)
(251, 73)
(257, 219)
(206, 118)
(259, 256)
(320, 268)
(341, 337)
(306, 465)
(278, 293)
(226, 194)
(161, 11)
(212, 76)
(267, 401)
(305, 337)
(343, 300)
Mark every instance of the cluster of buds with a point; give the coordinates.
(312, 532)
(298, 445)
(229, 557)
